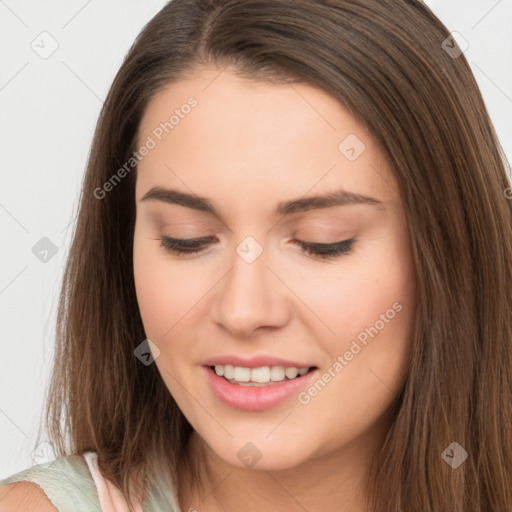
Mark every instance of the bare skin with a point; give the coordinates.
(248, 146)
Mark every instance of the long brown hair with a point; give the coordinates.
(388, 63)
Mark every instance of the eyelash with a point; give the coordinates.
(195, 245)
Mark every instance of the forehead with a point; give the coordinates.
(257, 136)
(240, 107)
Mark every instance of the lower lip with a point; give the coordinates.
(256, 398)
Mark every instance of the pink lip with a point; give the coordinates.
(256, 398)
(255, 362)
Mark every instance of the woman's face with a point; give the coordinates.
(249, 168)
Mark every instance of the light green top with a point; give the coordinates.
(69, 485)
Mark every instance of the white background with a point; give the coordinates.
(49, 108)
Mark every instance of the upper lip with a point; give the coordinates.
(254, 362)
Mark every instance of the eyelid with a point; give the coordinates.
(187, 242)
(324, 251)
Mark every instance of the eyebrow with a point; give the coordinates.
(335, 198)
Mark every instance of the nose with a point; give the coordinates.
(251, 297)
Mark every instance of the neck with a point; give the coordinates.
(335, 480)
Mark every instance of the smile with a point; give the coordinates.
(238, 388)
(258, 376)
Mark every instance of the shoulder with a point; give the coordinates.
(62, 485)
(24, 497)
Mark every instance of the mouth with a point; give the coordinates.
(262, 376)
(238, 387)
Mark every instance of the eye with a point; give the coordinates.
(195, 245)
(190, 246)
(326, 251)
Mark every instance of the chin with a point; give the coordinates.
(261, 454)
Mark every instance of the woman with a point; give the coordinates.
(289, 281)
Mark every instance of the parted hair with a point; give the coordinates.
(396, 68)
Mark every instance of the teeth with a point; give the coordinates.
(277, 373)
(292, 372)
(242, 374)
(228, 371)
(260, 375)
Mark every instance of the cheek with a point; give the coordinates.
(354, 297)
(354, 305)
(369, 309)
(161, 290)
(170, 295)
